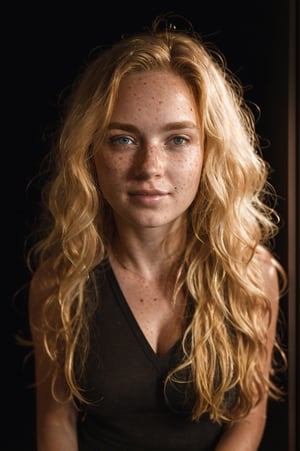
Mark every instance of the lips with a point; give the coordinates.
(148, 197)
(148, 193)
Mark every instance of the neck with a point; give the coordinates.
(150, 259)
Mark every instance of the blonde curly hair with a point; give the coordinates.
(230, 216)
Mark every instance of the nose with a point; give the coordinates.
(149, 161)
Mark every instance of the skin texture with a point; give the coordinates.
(150, 164)
(148, 167)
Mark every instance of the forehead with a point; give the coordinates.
(158, 89)
(154, 81)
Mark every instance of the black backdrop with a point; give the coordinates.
(44, 47)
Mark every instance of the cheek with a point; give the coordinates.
(189, 174)
(108, 167)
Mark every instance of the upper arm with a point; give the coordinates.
(270, 286)
(55, 421)
(246, 434)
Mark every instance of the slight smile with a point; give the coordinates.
(148, 197)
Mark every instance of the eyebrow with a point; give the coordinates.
(169, 126)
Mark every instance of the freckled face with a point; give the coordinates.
(150, 163)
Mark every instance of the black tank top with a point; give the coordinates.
(124, 380)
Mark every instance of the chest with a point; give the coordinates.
(157, 315)
(124, 380)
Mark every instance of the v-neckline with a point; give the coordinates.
(157, 359)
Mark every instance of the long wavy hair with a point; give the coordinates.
(231, 215)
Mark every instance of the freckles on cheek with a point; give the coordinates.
(111, 164)
(189, 178)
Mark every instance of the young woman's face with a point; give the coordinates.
(150, 163)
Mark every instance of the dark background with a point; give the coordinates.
(44, 47)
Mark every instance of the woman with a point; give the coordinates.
(154, 298)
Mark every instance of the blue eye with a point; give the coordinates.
(178, 140)
(122, 140)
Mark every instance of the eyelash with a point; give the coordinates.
(117, 140)
(179, 137)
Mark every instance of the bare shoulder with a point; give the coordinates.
(267, 260)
